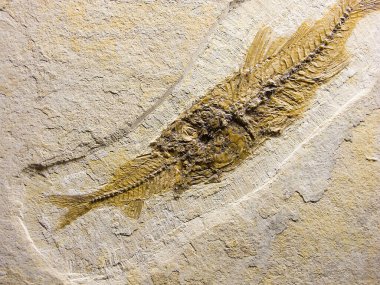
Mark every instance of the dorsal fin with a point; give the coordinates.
(263, 47)
(297, 36)
(256, 52)
(276, 46)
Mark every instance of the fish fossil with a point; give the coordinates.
(273, 88)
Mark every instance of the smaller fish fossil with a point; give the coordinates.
(273, 88)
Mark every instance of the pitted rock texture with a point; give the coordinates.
(85, 85)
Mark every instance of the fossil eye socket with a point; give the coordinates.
(187, 133)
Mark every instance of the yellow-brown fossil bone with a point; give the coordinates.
(274, 87)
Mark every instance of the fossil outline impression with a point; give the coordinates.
(273, 88)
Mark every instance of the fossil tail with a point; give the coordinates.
(77, 206)
(138, 180)
(132, 183)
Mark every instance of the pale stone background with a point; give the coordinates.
(85, 85)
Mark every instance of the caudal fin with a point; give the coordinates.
(77, 206)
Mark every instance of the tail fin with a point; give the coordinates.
(77, 205)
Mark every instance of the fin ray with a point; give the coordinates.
(256, 52)
(77, 206)
(133, 209)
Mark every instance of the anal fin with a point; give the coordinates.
(133, 209)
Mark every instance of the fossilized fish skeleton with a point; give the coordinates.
(272, 89)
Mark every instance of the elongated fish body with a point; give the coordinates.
(274, 86)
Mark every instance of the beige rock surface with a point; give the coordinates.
(85, 85)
